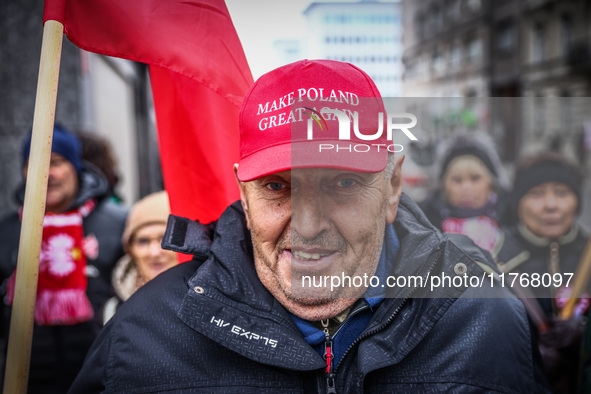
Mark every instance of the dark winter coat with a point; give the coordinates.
(209, 325)
(58, 351)
(523, 252)
(525, 255)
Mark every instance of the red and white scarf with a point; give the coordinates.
(484, 231)
(61, 290)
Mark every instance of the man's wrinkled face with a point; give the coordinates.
(318, 222)
(548, 210)
(62, 185)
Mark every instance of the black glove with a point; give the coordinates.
(560, 348)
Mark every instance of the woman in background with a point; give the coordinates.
(471, 195)
(547, 242)
(145, 258)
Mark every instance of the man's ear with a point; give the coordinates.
(396, 189)
(243, 199)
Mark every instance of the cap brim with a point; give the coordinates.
(346, 155)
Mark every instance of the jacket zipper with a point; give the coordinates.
(330, 372)
(383, 325)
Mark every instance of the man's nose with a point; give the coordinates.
(309, 215)
(51, 173)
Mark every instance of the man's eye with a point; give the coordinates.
(275, 186)
(346, 183)
(56, 162)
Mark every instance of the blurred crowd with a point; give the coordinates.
(96, 252)
(530, 229)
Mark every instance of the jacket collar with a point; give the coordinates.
(536, 240)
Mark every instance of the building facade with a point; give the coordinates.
(445, 48)
(537, 50)
(365, 33)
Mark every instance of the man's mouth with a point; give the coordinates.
(307, 256)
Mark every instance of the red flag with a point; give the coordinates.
(199, 76)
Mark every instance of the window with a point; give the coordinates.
(473, 5)
(455, 56)
(566, 33)
(453, 10)
(539, 42)
(423, 67)
(506, 37)
(438, 63)
(437, 18)
(420, 26)
(473, 50)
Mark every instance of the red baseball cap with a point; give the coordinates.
(312, 113)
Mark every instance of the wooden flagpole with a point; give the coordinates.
(23, 308)
(582, 276)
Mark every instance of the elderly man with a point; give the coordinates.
(80, 245)
(547, 244)
(260, 309)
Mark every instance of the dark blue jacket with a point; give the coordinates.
(524, 254)
(210, 326)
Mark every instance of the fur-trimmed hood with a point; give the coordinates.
(125, 277)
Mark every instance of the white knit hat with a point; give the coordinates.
(154, 208)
